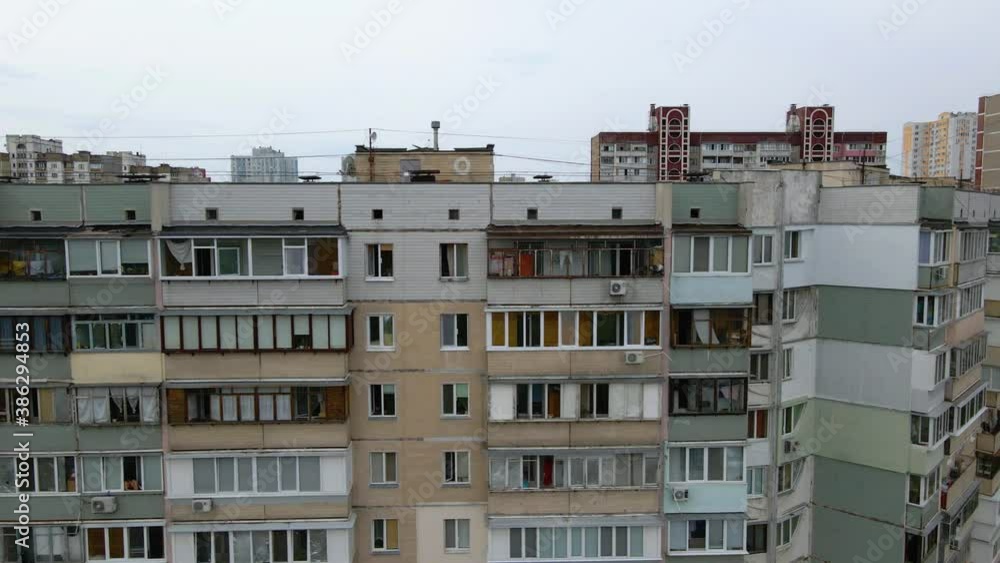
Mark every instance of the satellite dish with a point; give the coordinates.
(373, 136)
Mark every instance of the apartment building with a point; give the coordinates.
(675, 151)
(27, 156)
(421, 164)
(943, 147)
(5, 171)
(987, 171)
(264, 165)
(500, 372)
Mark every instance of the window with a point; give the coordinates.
(46, 333)
(934, 248)
(211, 214)
(711, 328)
(385, 535)
(263, 257)
(928, 431)
(756, 481)
(382, 400)
(454, 331)
(532, 213)
(265, 404)
(36, 215)
(757, 423)
(789, 305)
(757, 538)
(788, 475)
(966, 412)
(786, 529)
(38, 474)
(49, 544)
(456, 468)
(125, 542)
(590, 542)
(454, 261)
(717, 254)
(527, 472)
(967, 355)
(537, 400)
(127, 257)
(616, 212)
(573, 329)
(708, 535)
(702, 464)
(383, 468)
(970, 299)
(130, 215)
(974, 245)
(380, 261)
(298, 214)
(235, 476)
(760, 366)
(762, 249)
(793, 245)
(934, 309)
(455, 399)
(940, 367)
(39, 259)
(114, 332)
(790, 417)
(456, 535)
(594, 400)
(377, 214)
(787, 363)
(122, 473)
(117, 405)
(453, 214)
(255, 332)
(695, 213)
(380, 332)
(708, 396)
(762, 308)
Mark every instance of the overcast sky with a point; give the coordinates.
(558, 70)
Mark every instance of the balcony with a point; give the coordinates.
(578, 433)
(573, 501)
(960, 480)
(567, 272)
(955, 387)
(988, 439)
(935, 277)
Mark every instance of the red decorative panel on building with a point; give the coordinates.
(674, 129)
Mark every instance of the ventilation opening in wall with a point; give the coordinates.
(377, 214)
(211, 214)
(532, 213)
(298, 214)
(616, 212)
(696, 213)
(36, 214)
(130, 214)
(453, 215)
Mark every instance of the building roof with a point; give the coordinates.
(359, 149)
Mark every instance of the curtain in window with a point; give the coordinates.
(150, 405)
(84, 407)
(82, 257)
(284, 404)
(229, 408)
(181, 250)
(99, 398)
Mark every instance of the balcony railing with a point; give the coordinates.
(960, 478)
(576, 263)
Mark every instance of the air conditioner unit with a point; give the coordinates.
(680, 495)
(791, 446)
(103, 505)
(201, 505)
(634, 358)
(618, 287)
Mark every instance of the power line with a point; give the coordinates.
(213, 135)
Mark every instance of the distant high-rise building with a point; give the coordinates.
(27, 157)
(264, 165)
(943, 147)
(671, 151)
(987, 171)
(4, 165)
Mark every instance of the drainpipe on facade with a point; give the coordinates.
(774, 416)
